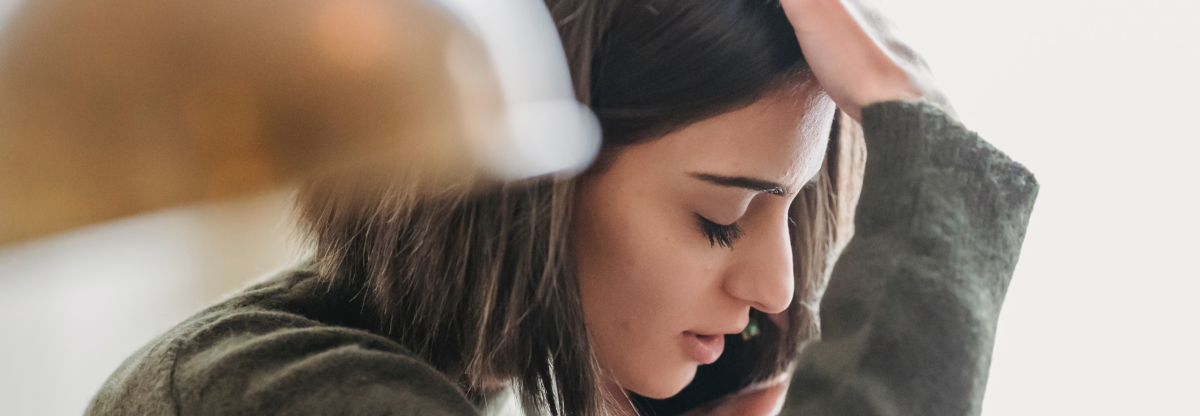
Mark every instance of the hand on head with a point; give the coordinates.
(856, 57)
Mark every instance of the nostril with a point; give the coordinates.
(761, 273)
(775, 293)
(770, 295)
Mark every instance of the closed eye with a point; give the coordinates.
(718, 234)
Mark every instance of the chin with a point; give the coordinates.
(667, 384)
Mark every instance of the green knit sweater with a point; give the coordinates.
(909, 316)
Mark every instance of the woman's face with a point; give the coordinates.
(682, 235)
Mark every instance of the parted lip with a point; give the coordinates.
(705, 349)
(736, 328)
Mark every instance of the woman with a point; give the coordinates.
(712, 215)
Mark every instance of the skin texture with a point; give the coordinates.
(648, 273)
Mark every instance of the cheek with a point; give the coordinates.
(641, 281)
(632, 264)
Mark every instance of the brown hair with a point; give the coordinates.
(475, 276)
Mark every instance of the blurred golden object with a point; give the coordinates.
(114, 107)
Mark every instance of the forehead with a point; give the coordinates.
(779, 138)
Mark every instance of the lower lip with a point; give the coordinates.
(703, 348)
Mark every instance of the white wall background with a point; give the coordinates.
(6, 7)
(1100, 99)
(73, 306)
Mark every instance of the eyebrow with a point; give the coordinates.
(742, 182)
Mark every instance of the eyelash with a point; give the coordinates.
(722, 235)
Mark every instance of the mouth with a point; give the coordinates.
(702, 348)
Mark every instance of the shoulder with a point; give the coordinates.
(249, 355)
(266, 362)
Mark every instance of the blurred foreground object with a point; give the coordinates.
(115, 107)
(545, 129)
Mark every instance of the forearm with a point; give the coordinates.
(909, 317)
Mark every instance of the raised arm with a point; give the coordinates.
(909, 316)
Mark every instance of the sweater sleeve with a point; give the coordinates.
(909, 316)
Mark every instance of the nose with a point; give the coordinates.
(760, 272)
